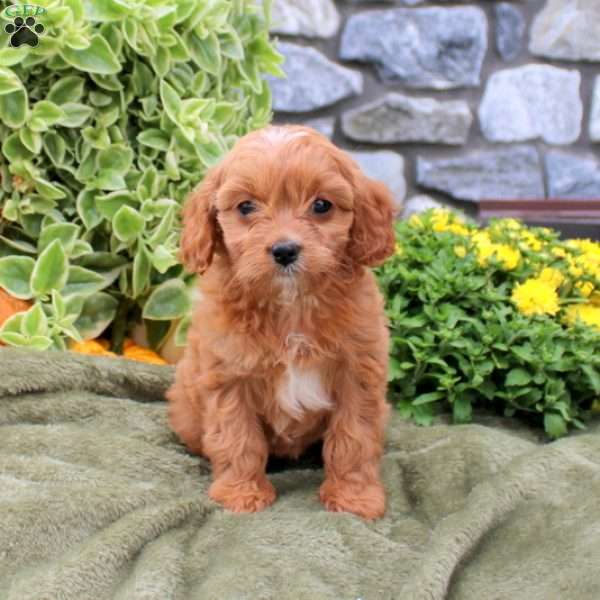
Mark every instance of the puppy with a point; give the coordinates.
(288, 343)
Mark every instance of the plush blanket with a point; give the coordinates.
(98, 500)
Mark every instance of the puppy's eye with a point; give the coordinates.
(321, 206)
(246, 207)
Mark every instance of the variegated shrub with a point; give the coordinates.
(105, 127)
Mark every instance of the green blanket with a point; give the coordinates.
(98, 500)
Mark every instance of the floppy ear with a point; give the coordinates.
(200, 228)
(372, 233)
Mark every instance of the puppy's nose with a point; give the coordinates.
(285, 253)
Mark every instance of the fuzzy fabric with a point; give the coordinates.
(98, 500)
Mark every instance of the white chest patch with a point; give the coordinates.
(301, 390)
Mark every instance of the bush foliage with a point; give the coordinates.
(505, 317)
(105, 126)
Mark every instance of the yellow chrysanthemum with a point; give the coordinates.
(559, 252)
(399, 250)
(415, 221)
(460, 251)
(442, 221)
(530, 241)
(553, 276)
(511, 224)
(486, 250)
(588, 313)
(535, 297)
(585, 287)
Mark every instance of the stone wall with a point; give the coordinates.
(458, 100)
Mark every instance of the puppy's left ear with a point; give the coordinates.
(372, 233)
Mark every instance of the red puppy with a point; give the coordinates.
(288, 343)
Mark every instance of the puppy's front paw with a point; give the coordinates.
(365, 500)
(243, 496)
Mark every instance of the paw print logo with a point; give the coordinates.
(24, 31)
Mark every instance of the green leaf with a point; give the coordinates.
(97, 313)
(168, 301)
(517, 377)
(141, 272)
(205, 52)
(462, 410)
(55, 147)
(83, 281)
(555, 425)
(14, 109)
(34, 322)
(11, 56)
(66, 90)
(109, 204)
(170, 100)
(427, 398)
(18, 339)
(98, 57)
(181, 332)
(48, 190)
(154, 138)
(75, 115)
(15, 274)
(65, 232)
(162, 259)
(593, 377)
(51, 270)
(86, 209)
(127, 224)
(9, 82)
(117, 158)
(32, 140)
(48, 112)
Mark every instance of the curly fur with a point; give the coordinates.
(278, 359)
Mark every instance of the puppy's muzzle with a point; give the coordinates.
(285, 253)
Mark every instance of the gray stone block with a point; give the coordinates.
(595, 112)
(435, 47)
(572, 176)
(387, 167)
(309, 18)
(534, 101)
(567, 30)
(507, 173)
(398, 118)
(418, 204)
(313, 81)
(510, 29)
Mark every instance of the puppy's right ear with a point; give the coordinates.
(200, 228)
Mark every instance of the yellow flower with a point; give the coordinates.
(460, 251)
(588, 313)
(530, 241)
(553, 276)
(508, 256)
(511, 223)
(535, 297)
(441, 221)
(559, 252)
(585, 287)
(415, 221)
(399, 250)
(486, 249)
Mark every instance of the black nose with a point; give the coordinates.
(285, 253)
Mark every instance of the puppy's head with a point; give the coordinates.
(287, 206)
